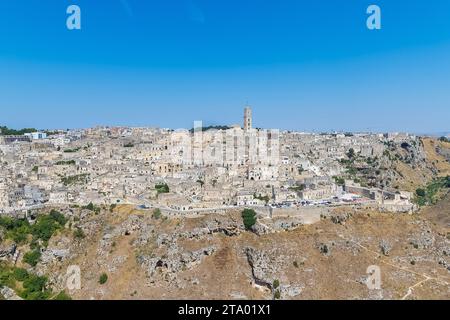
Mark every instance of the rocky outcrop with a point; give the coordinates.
(340, 218)
(385, 247)
(174, 262)
(7, 251)
(9, 294)
(424, 240)
(262, 267)
(50, 255)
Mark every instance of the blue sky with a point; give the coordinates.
(304, 65)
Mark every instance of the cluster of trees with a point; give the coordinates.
(19, 230)
(65, 162)
(212, 127)
(430, 194)
(5, 131)
(72, 150)
(27, 285)
(76, 179)
(264, 198)
(92, 207)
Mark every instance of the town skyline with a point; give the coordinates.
(216, 124)
(302, 66)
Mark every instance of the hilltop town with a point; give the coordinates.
(188, 173)
(158, 203)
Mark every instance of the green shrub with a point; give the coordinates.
(78, 233)
(162, 188)
(156, 213)
(103, 278)
(20, 274)
(62, 296)
(32, 257)
(277, 295)
(276, 284)
(249, 218)
(92, 207)
(34, 288)
(420, 192)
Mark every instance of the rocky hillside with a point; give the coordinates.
(125, 253)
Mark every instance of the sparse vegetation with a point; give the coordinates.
(432, 192)
(162, 188)
(92, 207)
(65, 162)
(156, 214)
(265, 198)
(78, 233)
(62, 296)
(74, 180)
(339, 181)
(72, 150)
(351, 154)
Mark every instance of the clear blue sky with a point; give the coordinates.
(304, 65)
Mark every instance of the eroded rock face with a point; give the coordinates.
(7, 251)
(175, 259)
(260, 229)
(385, 247)
(423, 240)
(50, 255)
(262, 267)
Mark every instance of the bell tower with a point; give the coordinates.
(247, 118)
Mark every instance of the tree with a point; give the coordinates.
(277, 295)
(103, 278)
(20, 274)
(351, 153)
(201, 182)
(35, 288)
(249, 218)
(162, 188)
(421, 192)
